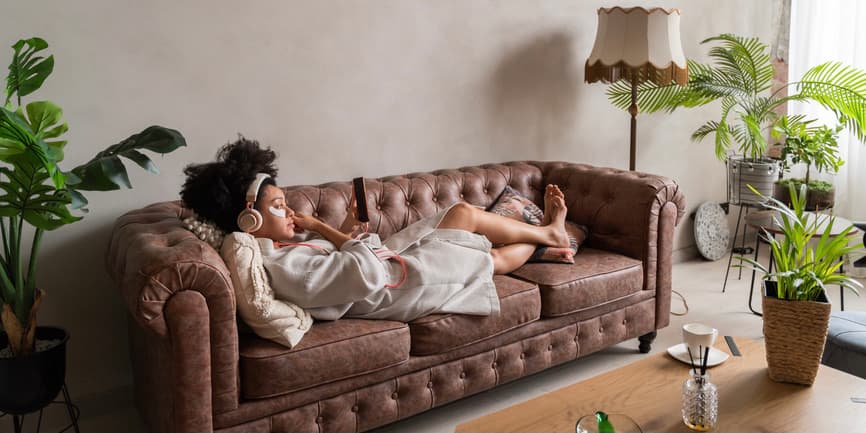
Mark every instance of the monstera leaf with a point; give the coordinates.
(16, 137)
(27, 192)
(106, 171)
(27, 71)
(44, 118)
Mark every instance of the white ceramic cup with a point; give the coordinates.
(698, 336)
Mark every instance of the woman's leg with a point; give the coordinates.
(504, 231)
(510, 257)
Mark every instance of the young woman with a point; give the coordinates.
(443, 263)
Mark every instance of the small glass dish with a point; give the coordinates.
(620, 423)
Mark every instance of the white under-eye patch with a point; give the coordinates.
(278, 212)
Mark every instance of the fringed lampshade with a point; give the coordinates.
(637, 45)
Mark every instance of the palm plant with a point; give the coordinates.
(802, 270)
(36, 192)
(740, 76)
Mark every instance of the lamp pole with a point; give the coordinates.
(633, 111)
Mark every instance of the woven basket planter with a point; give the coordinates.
(794, 333)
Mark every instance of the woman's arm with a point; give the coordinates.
(308, 222)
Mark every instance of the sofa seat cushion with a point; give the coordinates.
(328, 352)
(519, 304)
(596, 277)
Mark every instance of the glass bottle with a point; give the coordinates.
(700, 402)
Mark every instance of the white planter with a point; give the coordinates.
(760, 174)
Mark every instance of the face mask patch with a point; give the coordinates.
(278, 212)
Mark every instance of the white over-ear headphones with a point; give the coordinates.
(250, 220)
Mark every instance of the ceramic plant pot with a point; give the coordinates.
(28, 383)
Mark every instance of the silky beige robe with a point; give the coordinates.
(447, 271)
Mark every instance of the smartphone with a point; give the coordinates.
(361, 199)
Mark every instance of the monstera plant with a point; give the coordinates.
(37, 194)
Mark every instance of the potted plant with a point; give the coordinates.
(812, 146)
(36, 194)
(796, 308)
(740, 77)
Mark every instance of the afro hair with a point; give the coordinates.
(217, 190)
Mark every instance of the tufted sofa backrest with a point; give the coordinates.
(394, 202)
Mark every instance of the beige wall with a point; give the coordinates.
(340, 88)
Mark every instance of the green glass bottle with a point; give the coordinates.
(604, 425)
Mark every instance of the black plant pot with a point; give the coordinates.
(29, 383)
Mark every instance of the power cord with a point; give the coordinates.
(685, 304)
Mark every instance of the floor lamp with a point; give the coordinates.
(638, 45)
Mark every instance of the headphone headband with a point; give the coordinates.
(253, 191)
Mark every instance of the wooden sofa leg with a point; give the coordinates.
(646, 342)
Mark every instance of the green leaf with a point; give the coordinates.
(106, 172)
(42, 115)
(103, 174)
(841, 89)
(29, 194)
(16, 129)
(142, 160)
(55, 150)
(27, 71)
(78, 200)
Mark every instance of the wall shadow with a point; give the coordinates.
(81, 298)
(532, 97)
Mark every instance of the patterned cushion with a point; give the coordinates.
(576, 236)
(513, 205)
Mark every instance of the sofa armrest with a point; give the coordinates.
(151, 257)
(629, 213)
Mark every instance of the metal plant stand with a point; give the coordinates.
(71, 409)
(742, 249)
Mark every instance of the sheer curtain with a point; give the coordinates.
(832, 30)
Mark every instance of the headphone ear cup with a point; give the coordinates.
(250, 220)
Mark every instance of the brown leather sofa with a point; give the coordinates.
(196, 369)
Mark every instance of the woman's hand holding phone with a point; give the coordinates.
(351, 226)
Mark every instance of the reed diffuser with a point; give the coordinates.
(700, 396)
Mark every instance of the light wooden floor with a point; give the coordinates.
(698, 280)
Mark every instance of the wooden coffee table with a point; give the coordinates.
(650, 392)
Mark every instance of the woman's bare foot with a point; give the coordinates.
(555, 212)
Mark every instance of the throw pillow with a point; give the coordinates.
(576, 236)
(513, 205)
(282, 322)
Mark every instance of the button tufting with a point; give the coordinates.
(624, 321)
(378, 207)
(550, 348)
(315, 214)
(461, 195)
(600, 329)
(522, 355)
(463, 375)
(355, 408)
(430, 385)
(494, 364)
(394, 396)
(319, 420)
